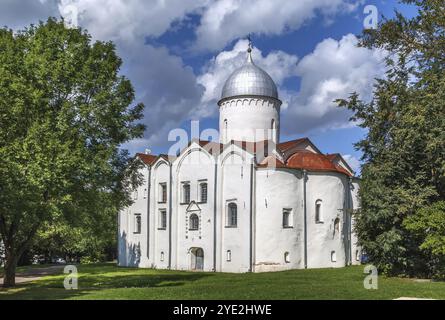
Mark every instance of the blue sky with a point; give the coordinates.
(179, 52)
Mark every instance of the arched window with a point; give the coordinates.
(333, 256)
(273, 130)
(137, 223)
(229, 256)
(286, 257)
(336, 226)
(224, 128)
(194, 222)
(232, 215)
(318, 212)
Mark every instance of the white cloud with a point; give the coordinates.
(166, 86)
(353, 162)
(333, 70)
(130, 20)
(226, 20)
(173, 93)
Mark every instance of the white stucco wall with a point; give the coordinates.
(273, 191)
(133, 245)
(235, 173)
(322, 240)
(277, 190)
(194, 167)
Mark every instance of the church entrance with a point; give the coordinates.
(197, 259)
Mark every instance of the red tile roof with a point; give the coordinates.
(313, 161)
(300, 159)
(147, 158)
(305, 160)
(271, 161)
(332, 156)
(284, 146)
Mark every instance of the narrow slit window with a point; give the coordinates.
(185, 193)
(333, 256)
(232, 215)
(203, 191)
(137, 223)
(318, 212)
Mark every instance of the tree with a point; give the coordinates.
(429, 225)
(91, 237)
(404, 148)
(64, 112)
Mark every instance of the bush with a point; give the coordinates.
(428, 224)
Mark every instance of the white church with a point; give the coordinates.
(246, 203)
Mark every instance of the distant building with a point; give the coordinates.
(248, 203)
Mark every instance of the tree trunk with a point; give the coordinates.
(10, 268)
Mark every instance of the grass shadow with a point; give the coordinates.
(99, 277)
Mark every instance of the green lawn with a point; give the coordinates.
(106, 281)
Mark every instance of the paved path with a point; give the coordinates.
(32, 274)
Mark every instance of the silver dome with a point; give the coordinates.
(249, 80)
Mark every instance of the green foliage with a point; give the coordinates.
(404, 148)
(92, 239)
(429, 225)
(64, 112)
